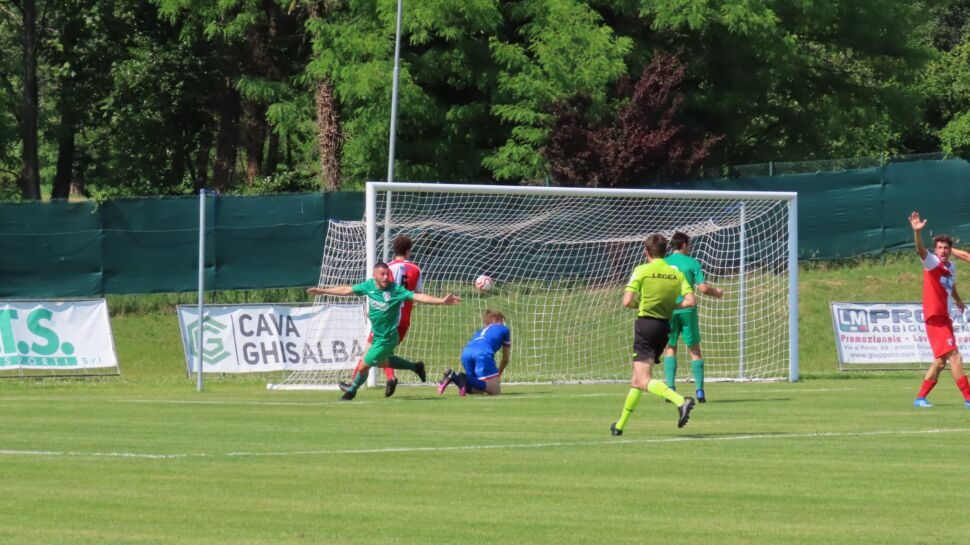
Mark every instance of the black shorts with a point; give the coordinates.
(649, 338)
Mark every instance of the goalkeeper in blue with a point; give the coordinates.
(655, 289)
(481, 375)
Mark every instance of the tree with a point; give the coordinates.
(798, 80)
(29, 111)
(645, 141)
(562, 49)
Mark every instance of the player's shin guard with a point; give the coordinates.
(697, 367)
(632, 399)
(670, 370)
(397, 362)
(660, 389)
(964, 385)
(926, 388)
(359, 379)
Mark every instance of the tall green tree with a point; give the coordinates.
(23, 15)
(556, 49)
(789, 80)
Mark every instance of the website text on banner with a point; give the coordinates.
(56, 335)
(872, 334)
(261, 338)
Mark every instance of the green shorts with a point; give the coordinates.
(684, 324)
(379, 351)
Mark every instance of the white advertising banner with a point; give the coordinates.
(56, 335)
(260, 338)
(888, 333)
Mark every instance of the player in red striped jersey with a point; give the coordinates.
(407, 275)
(939, 286)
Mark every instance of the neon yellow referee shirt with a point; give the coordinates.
(659, 286)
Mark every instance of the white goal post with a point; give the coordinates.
(560, 258)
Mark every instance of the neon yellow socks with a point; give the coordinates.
(632, 399)
(658, 388)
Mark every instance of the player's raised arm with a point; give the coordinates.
(450, 299)
(335, 290)
(917, 224)
(960, 254)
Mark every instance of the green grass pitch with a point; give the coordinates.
(823, 461)
(144, 459)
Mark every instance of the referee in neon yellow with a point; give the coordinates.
(654, 290)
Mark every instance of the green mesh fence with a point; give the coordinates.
(151, 245)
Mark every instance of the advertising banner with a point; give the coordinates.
(261, 338)
(874, 334)
(56, 335)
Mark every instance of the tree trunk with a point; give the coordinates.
(202, 160)
(227, 139)
(255, 139)
(65, 160)
(64, 174)
(31, 164)
(328, 136)
(273, 153)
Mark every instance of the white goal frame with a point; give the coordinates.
(376, 190)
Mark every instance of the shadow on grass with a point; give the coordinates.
(449, 394)
(746, 400)
(736, 435)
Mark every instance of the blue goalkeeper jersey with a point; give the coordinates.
(489, 339)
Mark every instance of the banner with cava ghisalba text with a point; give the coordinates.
(264, 337)
(873, 334)
(68, 335)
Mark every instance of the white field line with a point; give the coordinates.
(619, 392)
(552, 444)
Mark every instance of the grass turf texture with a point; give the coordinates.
(823, 461)
(145, 459)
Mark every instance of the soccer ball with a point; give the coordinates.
(484, 282)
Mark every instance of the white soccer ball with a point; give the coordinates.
(484, 282)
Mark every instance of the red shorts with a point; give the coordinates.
(939, 329)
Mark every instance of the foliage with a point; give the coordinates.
(167, 96)
(956, 136)
(645, 141)
(563, 49)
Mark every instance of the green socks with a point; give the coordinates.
(632, 399)
(670, 370)
(398, 362)
(697, 367)
(660, 389)
(359, 379)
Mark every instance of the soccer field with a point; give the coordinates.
(818, 462)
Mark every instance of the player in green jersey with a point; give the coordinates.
(684, 322)
(384, 299)
(655, 290)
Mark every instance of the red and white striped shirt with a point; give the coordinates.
(407, 275)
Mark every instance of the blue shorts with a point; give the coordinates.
(479, 365)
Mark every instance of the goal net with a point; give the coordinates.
(560, 258)
(337, 332)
